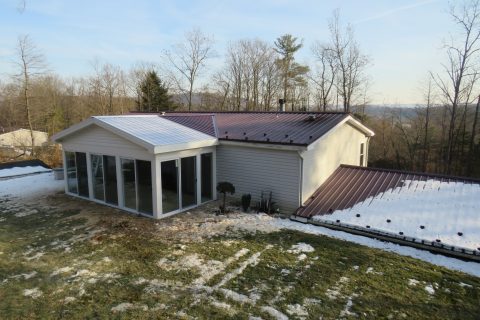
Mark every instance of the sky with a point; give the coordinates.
(403, 38)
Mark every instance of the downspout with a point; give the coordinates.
(300, 187)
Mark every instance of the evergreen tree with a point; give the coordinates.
(153, 94)
(292, 73)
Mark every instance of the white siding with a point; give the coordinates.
(98, 140)
(339, 146)
(253, 170)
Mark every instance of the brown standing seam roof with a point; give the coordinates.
(291, 128)
(350, 185)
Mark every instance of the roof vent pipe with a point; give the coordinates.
(282, 104)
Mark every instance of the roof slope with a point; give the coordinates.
(201, 122)
(349, 186)
(429, 208)
(291, 128)
(150, 131)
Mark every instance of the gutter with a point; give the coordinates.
(431, 246)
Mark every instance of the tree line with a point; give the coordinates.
(440, 135)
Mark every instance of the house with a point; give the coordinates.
(22, 138)
(158, 165)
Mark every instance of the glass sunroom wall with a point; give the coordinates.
(144, 186)
(71, 166)
(170, 201)
(110, 177)
(82, 173)
(129, 184)
(189, 179)
(97, 177)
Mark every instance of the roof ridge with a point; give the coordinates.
(258, 112)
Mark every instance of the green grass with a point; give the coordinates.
(116, 258)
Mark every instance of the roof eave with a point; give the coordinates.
(184, 146)
(264, 145)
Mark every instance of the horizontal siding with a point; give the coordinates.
(253, 170)
(98, 140)
(340, 146)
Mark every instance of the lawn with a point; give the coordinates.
(68, 258)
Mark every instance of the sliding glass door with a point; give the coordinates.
(71, 172)
(144, 184)
(82, 173)
(97, 177)
(77, 177)
(129, 188)
(189, 178)
(169, 186)
(110, 177)
(206, 163)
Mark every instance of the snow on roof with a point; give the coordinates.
(17, 171)
(444, 205)
(151, 131)
(428, 210)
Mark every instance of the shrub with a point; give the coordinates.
(246, 199)
(225, 187)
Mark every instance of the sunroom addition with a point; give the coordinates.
(139, 163)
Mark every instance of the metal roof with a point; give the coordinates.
(350, 185)
(201, 122)
(153, 132)
(290, 128)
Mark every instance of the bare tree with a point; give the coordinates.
(462, 61)
(22, 5)
(187, 60)
(326, 71)
(471, 159)
(30, 64)
(351, 63)
(429, 97)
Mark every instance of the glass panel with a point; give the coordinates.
(189, 185)
(129, 191)
(169, 186)
(81, 160)
(97, 176)
(71, 172)
(110, 176)
(144, 183)
(207, 176)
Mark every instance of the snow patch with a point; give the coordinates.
(469, 267)
(430, 290)
(274, 313)
(17, 171)
(301, 247)
(346, 310)
(463, 285)
(31, 186)
(32, 293)
(297, 311)
(413, 282)
(124, 306)
(61, 270)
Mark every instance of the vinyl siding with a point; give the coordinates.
(95, 139)
(253, 170)
(340, 146)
